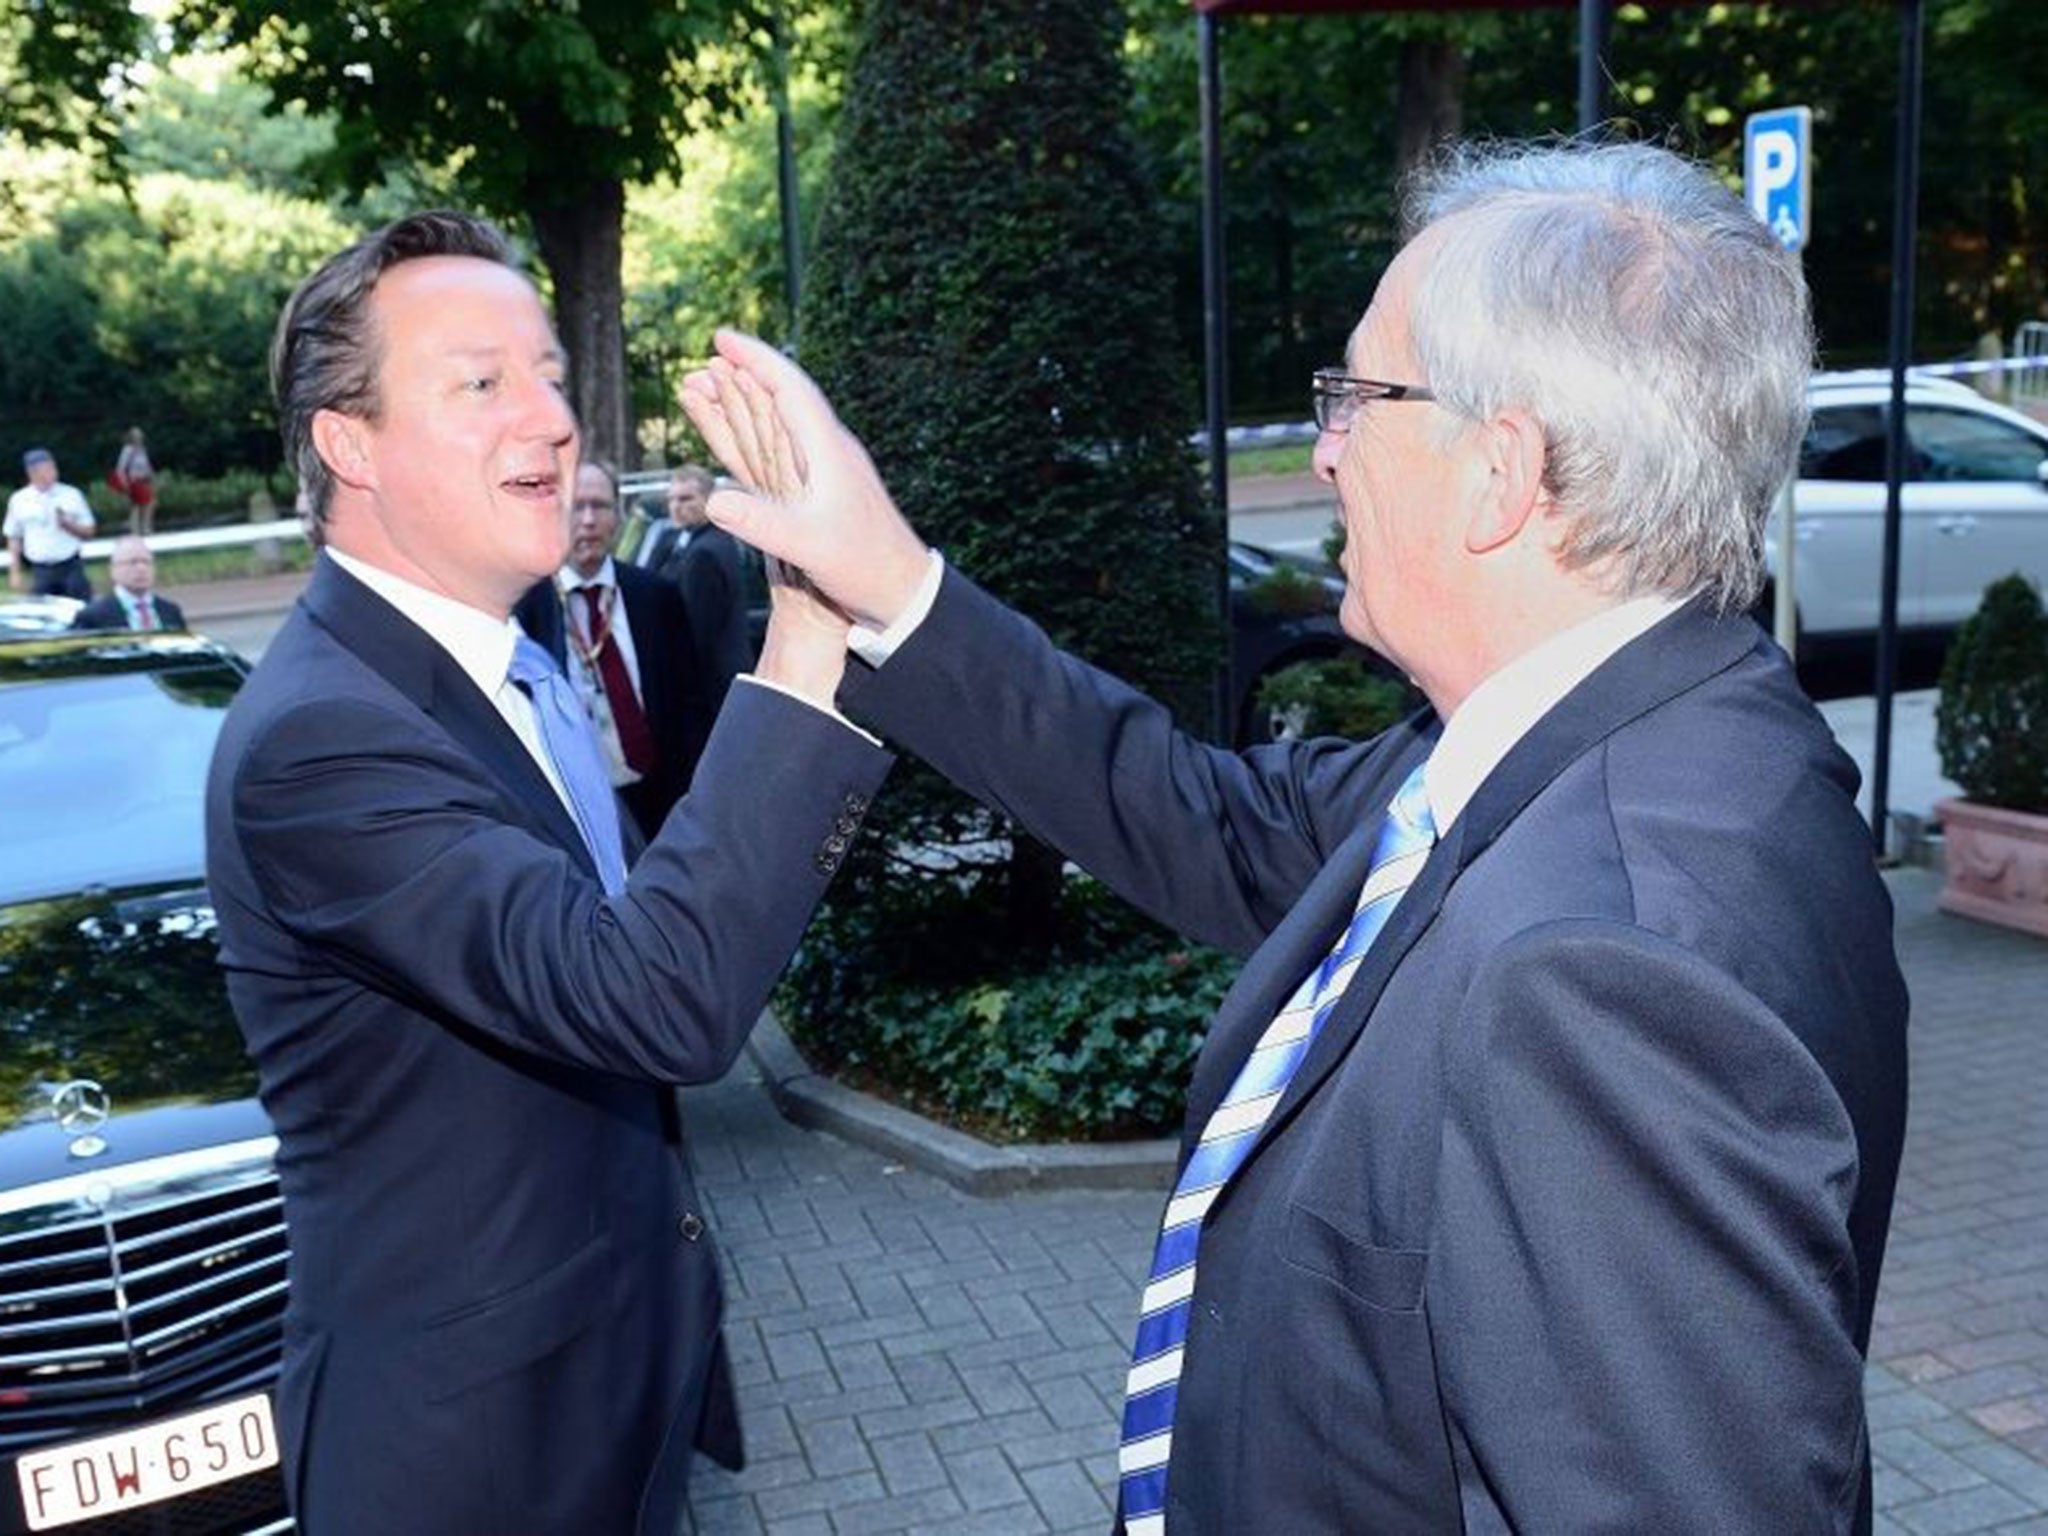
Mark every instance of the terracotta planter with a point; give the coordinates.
(1997, 864)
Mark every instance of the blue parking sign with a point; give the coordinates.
(1777, 150)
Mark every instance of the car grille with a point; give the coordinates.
(138, 1291)
(248, 1506)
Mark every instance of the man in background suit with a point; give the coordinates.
(703, 560)
(133, 604)
(1538, 1166)
(689, 493)
(621, 635)
(504, 1311)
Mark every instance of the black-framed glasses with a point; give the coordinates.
(1338, 396)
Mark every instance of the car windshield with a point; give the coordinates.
(105, 777)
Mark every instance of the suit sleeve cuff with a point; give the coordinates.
(874, 647)
(791, 693)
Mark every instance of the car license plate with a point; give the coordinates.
(91, 1478)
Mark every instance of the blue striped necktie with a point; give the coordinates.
(565, 731)
(1406, 836)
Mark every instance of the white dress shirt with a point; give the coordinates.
(482, 647)
(478, 643)
(32, 518)
(1506, 707)
(588, 680)
(569, 584)
(1484, 729)
(131, 606)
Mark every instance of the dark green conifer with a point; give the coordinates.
(988, 307)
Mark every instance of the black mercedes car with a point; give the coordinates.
(142, 1240)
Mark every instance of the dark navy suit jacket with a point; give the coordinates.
(504, 1312)
(106, 612)
(1572, 1217)
(707, 572)
(674, 690)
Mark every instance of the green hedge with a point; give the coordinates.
(1336, 697)
(1095, 1043)
(191, 501)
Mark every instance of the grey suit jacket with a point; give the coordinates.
(504, 1311)
(1572, 1217)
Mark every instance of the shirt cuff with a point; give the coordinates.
(875, 648)
(791, 693)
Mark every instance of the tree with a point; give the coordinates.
(705, 248)
(545, 112)
(987, 307)
(1321, 115)
(62, 67)
(154, 309)
(1312, 127)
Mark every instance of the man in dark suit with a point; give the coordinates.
(504, 1310)
(689, 493)
(703, 561)
(621, 635)
(1538, 1166)
(134, 603)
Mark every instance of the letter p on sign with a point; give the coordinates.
(1776, 169)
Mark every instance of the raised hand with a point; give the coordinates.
(814, 499)
(805, 647)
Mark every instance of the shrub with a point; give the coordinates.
(193, 501)
(987, 305)
(1991, 725)
(1286, 590)
(1095, 1044)
(1337, 697)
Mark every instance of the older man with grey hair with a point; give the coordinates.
(1537, 1169)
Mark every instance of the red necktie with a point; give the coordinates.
(145, 613)
(636, 741)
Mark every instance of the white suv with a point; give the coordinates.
(1974, 504)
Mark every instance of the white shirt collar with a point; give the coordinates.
(480, 644)
(603, 576)
(1506, 706)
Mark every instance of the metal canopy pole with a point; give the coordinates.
(1596, 25)
(786, 184)
(1905, 226)
(1215, 328)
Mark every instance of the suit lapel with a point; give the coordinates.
(540, 614)
(638, 600)
(1306, 934)
(1679, 653)
(415, 664)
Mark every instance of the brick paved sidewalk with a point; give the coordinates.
(913, 1359)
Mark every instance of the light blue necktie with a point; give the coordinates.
(565, 731)
(1406, 836)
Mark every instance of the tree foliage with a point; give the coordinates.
(541, 112)
(704, 247)
(153, 310)
(1311, 107)
(987, 308)
(64, 69)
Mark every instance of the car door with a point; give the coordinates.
(1838, 524)
(1986, 504)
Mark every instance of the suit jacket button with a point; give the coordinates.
(856, 805)
(835, 844)
(825, 862)
(691, 1226)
